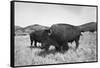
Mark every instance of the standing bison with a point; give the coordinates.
(64, 33)
(38, 36)
(42, 37)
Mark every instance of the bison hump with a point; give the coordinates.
(63, 31)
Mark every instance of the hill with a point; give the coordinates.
(34, 27)
(91, 26)
(28, 29)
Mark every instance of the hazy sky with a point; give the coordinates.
(47, 14)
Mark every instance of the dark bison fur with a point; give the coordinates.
(37, 36)
(64, 33)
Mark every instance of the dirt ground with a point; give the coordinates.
(86, 52)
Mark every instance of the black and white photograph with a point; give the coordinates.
(53, 33)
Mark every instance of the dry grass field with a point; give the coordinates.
(85, 53)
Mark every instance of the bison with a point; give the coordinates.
(64, 33)
(42, 37)
(37, 36)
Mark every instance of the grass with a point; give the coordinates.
(26, 56)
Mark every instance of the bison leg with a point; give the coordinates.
(31, 42)
(77, 42)
(35, 43)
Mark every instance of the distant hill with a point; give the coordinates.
(17, 28)
(91, 26)
(35, 27)
(28, 29)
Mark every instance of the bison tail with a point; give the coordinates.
(91, 26)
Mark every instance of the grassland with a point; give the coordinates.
(85, 53)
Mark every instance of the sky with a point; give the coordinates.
(47, 14)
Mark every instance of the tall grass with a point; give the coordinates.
(86, 52)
